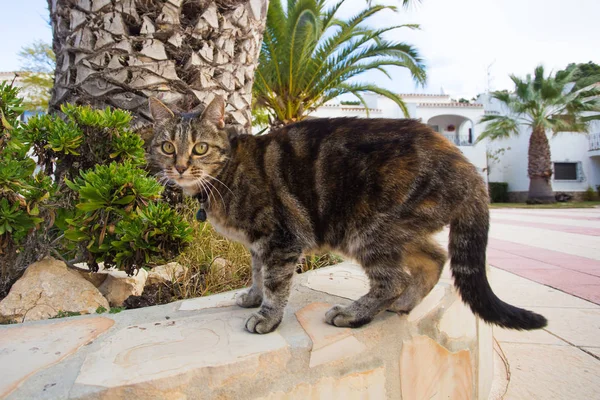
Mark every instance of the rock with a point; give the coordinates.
(165, 273)
(46, 288)
(430, 371)
(95, 278)
(118, 286)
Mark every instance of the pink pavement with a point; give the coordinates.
(577, 275)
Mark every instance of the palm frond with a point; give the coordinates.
(308, 55)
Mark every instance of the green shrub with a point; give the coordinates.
(498, 192)
(106, 209)
(23, 192)
(118, 220)
(589, 194)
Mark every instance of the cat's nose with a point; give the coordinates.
(180, 168)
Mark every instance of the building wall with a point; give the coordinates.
(564, 147)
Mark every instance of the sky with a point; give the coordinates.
(469, 46)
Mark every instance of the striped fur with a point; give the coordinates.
(374, 190)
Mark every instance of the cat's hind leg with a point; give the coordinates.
(398, 282)
(387, 280)
(425, 261)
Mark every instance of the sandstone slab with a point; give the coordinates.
(118, 286)
(330, 343)
(226, 299)
(344, 280)
(150, 352)
(363, 385)
(459, 321)
(46, 288)
(430, 371)
(24, 350)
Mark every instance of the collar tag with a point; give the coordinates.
(201, 214)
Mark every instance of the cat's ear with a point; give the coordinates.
(215, 112)
(160, 112)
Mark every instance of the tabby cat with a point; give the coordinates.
(375, 190)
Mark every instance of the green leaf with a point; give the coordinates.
(125, 200)
(91, 206)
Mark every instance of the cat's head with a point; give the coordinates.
(190, 150)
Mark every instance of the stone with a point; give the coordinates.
(485, 359)
(215, 301)
(29, 349)
(95, 278)
(330, 343)
(118, 286)
(170, 272)
(343, 280)
(458, 321)
(430, 303)
(551, 372)
(46, 288)
(363, 385)
(153, 351)
(429, 371)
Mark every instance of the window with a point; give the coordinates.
(565, 171)
(436, 128)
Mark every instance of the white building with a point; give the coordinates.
(576, 156)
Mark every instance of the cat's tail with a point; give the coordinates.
(468, 242)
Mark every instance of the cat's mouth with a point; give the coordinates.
(190, 186)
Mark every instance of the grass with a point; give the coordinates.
(570, 204)
(215, 264)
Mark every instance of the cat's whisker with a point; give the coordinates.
(219, 193)
(221, 182)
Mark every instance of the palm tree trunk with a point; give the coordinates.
(539, 168)
(120, 52)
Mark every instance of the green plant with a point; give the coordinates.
(101, 310)
(498, 192)
(310, 56)
(66, 314)
(38, 63)
(589, 194)
(543, 104)
(118, 221)
(23, 192)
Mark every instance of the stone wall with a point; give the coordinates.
(199, 349)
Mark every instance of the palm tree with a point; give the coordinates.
(309, 57)
(120, 52)
(543, 104)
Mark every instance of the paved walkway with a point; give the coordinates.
(557, 248)
(548, 261)
(560, 250)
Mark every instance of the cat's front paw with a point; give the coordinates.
(249, 299)
(258, 323)
(345, 317)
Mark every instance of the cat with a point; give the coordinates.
(375, 190)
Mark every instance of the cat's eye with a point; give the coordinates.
(200, 148)
(168, 148)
